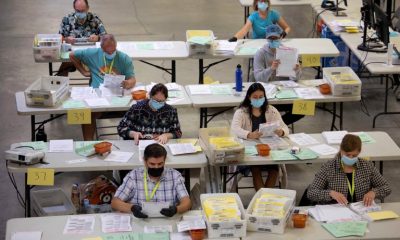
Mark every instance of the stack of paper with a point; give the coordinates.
(268, 129)
(271, 205)
(173, 86)
(200, 89)
(302, 139)
(222, 89)
(61, 145)
(308, 93)
(115, 223)
(286, 83)
(333, 213)
(365, 137)
(187, 225)
(382, 215)
(221, 209)
(159, 229)
(98, 102)
(118, 156)
(224, 47)
(359, 207)
(345, 229)
(85, 148)
(282, 155)
(144, 143)
(323, 149)
(334, 137)
(181, 148)
(82, 93)
(275, 142)
(79, 225)
(286, 94)
(224, 142)
(270, 90)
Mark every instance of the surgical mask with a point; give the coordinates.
(156, 104)
(262, 6)
(155, 172)
(274, 43)
(81, 15)
(349, 161)
(257, 103)
(110, 56)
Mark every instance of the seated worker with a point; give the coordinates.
(265, 65)
(253, 111)
(262, 17)
(151, 118)
(79, 24)
(347, 178)
(152, 183)
(101, 61)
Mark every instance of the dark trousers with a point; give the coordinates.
(288, 118)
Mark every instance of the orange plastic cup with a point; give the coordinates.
(102, 147)
(263, 149)
(139, 95)
(299, 220)
(197, 234)
(325, 88)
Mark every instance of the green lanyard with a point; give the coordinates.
(351, 186)
(111, 65)
(145, 187)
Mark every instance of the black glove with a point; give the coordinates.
(137, 211)
(232, 39)
(283, 34)
(169, 212)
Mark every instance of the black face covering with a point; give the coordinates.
(155, 172)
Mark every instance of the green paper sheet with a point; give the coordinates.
(220, 90)
(344, 229)
(250, 150)
(175, 94)
(285, 94)
(74, 104)
(366, 138)
(202, 40)
(145, 46)
(305, 154)
(282, 155)
(120, 101)
(247, 51)
(86, 148)
(40, 145)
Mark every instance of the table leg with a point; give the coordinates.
(205, 120)
(385, 111)
(173, 70)
(32, 128)
(341, 116)
(50, 69)
(187, 179)
(224, 172)
(27, 197)
(333, 117)
(201, 74)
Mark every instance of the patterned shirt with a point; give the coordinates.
(92, 26)
(142, 118)
(171, 189)
(332, 177)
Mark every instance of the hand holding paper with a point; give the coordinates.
(268, 129)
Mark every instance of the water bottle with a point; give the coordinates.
(86, 206)
(75, 197)
(239, 81)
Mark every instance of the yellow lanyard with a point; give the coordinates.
(145, 187)
(111, 65)
(350, 186)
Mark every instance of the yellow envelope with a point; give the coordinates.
(381, 215)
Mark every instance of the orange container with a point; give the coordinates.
(299, 220)
(197, 234)
(325, 88)
(102, 147)
(263, 149)
(139, 94)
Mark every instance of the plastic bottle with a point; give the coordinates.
(75, 197)
(239, 81)
(86, 206)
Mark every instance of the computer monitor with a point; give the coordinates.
(381, 24)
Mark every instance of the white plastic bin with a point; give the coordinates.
(196, 49)
(51, 202)
(47, 91)
(343, 81)
(46, 47)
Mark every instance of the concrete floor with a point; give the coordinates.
(156, 20)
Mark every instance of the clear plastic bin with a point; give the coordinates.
(343, 81)
(46, 47)
(47, 91)
(51, 202)
(196, 49)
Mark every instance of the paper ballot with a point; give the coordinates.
(152, 209)
(181, 148)
(288, 58)
(268, 129)
(111, 223)
(113, 81)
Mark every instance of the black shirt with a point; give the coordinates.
(256, 121)
(350, 179)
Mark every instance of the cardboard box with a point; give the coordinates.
(343, 81)
(234, 229)
(47, 91)
(270, 224)
(220, 156)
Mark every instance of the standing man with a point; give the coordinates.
(77, 25)
(152, 183)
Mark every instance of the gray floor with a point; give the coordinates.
(156, 20)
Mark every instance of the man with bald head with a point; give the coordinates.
(81, 24)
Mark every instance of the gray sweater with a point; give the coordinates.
(262, 66)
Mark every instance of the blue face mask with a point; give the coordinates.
(110, 56)
(156, 104)
(257, 103)
(262, 6)
(274, 43)
(81, 15)
(349, 161)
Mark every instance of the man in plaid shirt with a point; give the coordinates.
(152, 183)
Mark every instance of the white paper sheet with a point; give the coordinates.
(270, 90)
(200, 89)
(111, 223)
(79, 225)
(113, 91)
(268, 129)
(157, 229)
(225, 47)
(308, 93)
(163, 45)
(66, 145)
(288, 58)
(98, 102)
(144, 143)
(113, 81)
(190, 224)
(27, 236)
(334, 137)
(150, 86)
(180, 236)
(81, 160)
(323, 149)
(275, 142)
(313, 82)
(302, 139)
(118, 156)
(173, 86)
(333, 213)
(181, 148)
(82, 93)
(152, 209)
(286, 84)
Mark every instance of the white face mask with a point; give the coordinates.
(262, 6)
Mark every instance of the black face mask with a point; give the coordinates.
(155, 172)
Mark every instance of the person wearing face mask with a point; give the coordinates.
(152, 183)
(101, 61)
(265, 65)
(347, 178)
(151, 118)
(81, 24)
(262, 17)
(253, 111)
